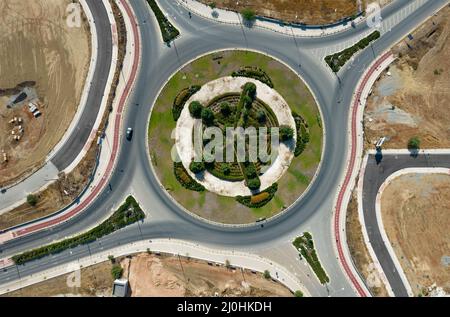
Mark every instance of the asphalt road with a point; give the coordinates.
(374, 176)
(78, 138)
(133, 173)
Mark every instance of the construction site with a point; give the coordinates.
(412, 98)
(43, 67)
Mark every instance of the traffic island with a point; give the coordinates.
(237, 90)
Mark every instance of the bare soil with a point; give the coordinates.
(415, 211)
(38, 47)
(69, 186)
(301, 11)
(162, 276)
(415, 99)
(359, 252)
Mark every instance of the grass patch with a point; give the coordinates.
(208, 68)
(305, 245)
(130, 212)
(337, 61)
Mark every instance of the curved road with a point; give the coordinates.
(313, 212)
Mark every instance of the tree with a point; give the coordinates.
(227, 264)
(32, 200)
(195, 109)
(250, 171)
(298, 294)
(414, 143)
(112, 259)
(250, 90)
(226, 170)
(207, 116)
(254, 183)
(197, 167)
(266, 274)
(212, 5)
(286, 133)
(225, 109)
(248, 15)
(116, 271)
(261, 116)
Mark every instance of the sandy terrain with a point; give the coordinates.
(415, 211)
(162, 276)
(415, 99)
(150, 275)
(360, 253)
(38, 47)
(303, 11)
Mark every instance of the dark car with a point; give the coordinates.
(129, 134)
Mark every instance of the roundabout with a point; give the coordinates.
(277, 125)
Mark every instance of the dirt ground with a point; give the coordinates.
(302, 11)
(413, 97)
(151, 275)
(38, 49)
(415, 211)
(359, 252)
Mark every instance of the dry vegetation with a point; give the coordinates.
(162, 276)
(415, 211)
(415, 99)
(359, 252)
(304, 11)
(38, 48)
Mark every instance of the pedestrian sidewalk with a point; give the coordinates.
(174, 247)
(231, 17)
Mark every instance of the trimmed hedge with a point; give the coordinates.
(185, 179)
(168, 31)
(181, 99)
(305, 245)
(259, 200)
(337, 60)
(130, 212)
(254, 73)
(303, 136)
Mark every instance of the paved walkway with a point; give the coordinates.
(186, 125)
(231, 17)
(175, 247)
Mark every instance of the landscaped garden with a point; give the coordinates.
(201, 93)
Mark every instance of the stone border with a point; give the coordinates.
(186, 125)
(246, 225)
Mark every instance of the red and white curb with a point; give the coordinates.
(354, 159)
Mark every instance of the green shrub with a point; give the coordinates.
(185, 179)
(337, 60)
(207, 116)
(195, 109)
(197, 167)
(128, 213)
(266, 274)
(254, 73)
(32, 200)
(254, 183)
(116, 271)
(168, 31)
(305, 245)
(250, 90)
(286, 133)
(181, 99)
(261, 116)
(298, 293)
(226, 169)
(225, 109)
(250, 203)
(414, 143)
(248, 15)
